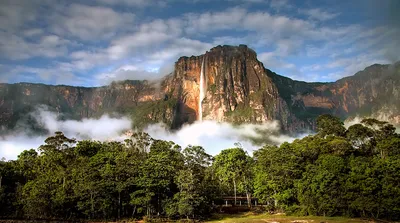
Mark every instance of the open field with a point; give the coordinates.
(265, 218)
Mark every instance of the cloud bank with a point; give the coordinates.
(215, 136)
(63, 42)
(104, 128)
(211, 135)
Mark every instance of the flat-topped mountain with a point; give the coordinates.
(227, 83)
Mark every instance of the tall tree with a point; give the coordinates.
(330, 125)
(192, 199)
(156, 178)
(230, 166)
(277, 169)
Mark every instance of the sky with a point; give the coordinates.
(94, 42)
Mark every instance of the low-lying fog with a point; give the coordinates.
(213, 136)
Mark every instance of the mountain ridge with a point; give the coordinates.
(238, 89)
(161, 78)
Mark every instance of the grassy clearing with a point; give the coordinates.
(266, 218)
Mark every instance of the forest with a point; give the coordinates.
(338, 171)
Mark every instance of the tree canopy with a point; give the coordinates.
(336, 172)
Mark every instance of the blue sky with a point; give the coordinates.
(94, 42)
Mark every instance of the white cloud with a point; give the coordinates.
(211, 21)
(133, 3)
(60, 74)
(104, 128)
(148, 43)
(181, 47)
(132, 72)
(12, 145)
(157, 64)
(147, 38)
(15, 14)
(271, 61)
(313, 67)
(84, 60)
(347, 66)
(33, 32)
(91, 23)
(279, 5)
(215, 136)
(319, 14)
(125, 45)
(17, 48)
(288, 47)
(278, 26)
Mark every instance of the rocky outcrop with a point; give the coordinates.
(237, 88)
(231, 74)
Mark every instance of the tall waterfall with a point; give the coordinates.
(202, 88)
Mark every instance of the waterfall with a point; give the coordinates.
(202, 88)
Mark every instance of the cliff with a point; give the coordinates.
(373, 92)
(233, 86)
(237, 88)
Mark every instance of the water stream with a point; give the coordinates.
(202, 89)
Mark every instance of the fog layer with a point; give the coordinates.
(213, 136)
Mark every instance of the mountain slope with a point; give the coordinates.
(235, 88)
(372, 92)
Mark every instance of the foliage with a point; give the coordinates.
(330, 125)
(241, 114)
(336, 172)
(233, 168)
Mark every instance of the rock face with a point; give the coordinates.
(19, 100)
(236, 86)
(373, 92)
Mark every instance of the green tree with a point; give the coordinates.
(156, 178)
(277, 168)
(320, 191)
(361, 137)
(330, 125)
(192, 199)
(46, 194)
(363, 188)
(230, 167)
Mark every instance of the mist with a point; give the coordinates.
(358, 119)
(22, 138)
(130, 72)
(211, 135)
(215, 136)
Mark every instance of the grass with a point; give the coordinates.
(267, 218)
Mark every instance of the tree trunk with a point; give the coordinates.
(92, 204)
(248, 199)
(234, 190)
(119, 205)
(158, 204)
(1, 178)
(134, 211)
